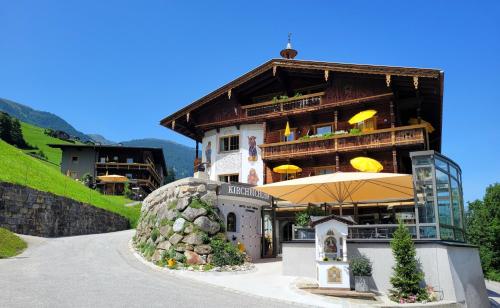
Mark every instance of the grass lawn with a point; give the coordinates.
(35, 136)
(10, 244)
(20, 168)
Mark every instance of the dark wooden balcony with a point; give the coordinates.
(398, 136)
(280, 107)
(149, 167)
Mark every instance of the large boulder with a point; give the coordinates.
(164, 245)
(179, 224)
(182, 203)
(172, 214)
(193, 238)
(165, 230)
(175, 238)
(193, 258)
(191, 213)
(207, 225)
(203, 249)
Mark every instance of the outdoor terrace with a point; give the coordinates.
(149, 166)
(404, 135)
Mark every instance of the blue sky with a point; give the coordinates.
(118, 67)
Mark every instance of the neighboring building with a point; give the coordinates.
(144, 167)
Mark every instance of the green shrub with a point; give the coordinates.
(155, 234)
(149, 250)
(361, 266)
(225, 253)
(303, 218)
(172, 205)
(355, 131)
(205, 238)
(407, 277)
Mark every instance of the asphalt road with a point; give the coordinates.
(100, 271)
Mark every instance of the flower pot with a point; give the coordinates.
(361, 283)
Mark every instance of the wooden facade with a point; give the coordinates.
(311, 95)
(144, 167)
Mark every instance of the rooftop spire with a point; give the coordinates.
(289, 52)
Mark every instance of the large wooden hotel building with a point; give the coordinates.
(242, 128)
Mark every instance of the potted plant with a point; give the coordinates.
(361, 269)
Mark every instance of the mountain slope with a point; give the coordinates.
(39, 118)
(100, 139)
(178, 156)
(19, 168)
(35, 136)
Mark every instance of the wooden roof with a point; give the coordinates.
(309, 65)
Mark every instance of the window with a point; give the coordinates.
(115, 158)
(230, 143)
(102, 159)
(229, 178)
(130, 160)
(231, 222)
(74, 159)
(325, 129)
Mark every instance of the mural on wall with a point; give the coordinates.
(208, 154)
(252, 148)
(252, 178)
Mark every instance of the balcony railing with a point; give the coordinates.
(284, 105)
(131, 166)
(377, 232)
(405, 135)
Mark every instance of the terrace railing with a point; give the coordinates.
(377, 232)
(284, 105)
(414, 134)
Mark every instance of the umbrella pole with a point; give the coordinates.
(340, 209)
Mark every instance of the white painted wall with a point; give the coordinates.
(454, 271)
(236, 162)
(248, 222)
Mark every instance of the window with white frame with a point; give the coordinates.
(229, 143)
(229, 178)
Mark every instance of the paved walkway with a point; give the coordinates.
(100, 271)
(493, 289)
(267, 281)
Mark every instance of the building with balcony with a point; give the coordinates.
(144, 168)
(294, 112)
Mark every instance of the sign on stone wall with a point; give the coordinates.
(243, 190)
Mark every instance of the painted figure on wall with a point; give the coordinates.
(252, 148)
(208, 154)
(252, 178)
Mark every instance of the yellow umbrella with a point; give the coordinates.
(113, 178)
(287, 169)
(414, 121)
(287, 129)
(366, 164)
(343, 187)
(362, 116)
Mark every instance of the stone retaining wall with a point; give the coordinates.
(28, 211)
(174, 221)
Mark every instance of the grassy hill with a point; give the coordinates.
(35, 136)
(20, 168)
(10, 244)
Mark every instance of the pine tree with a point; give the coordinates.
(407, 277)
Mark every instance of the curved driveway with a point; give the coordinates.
(100, 271)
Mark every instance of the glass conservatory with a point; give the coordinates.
(438, 197)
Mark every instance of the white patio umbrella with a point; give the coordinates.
(343, 187)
